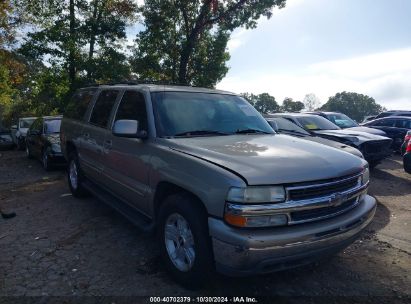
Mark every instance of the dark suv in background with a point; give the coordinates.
(43, 141)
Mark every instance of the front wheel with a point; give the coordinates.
(28, 152)
(185, 244)
(45, 160)
(75, 176)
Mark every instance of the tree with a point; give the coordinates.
(264, 103)
(289, 105)
(185, 38)
(311, 102)
(354, 105)
(73, 34)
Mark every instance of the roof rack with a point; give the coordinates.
(136, 82)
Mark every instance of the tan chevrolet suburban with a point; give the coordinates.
(204, 170)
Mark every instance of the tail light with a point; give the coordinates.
(408, 150)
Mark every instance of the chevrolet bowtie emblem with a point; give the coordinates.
(336, 199)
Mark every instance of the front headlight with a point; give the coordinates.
(365, 175)
(265, 194)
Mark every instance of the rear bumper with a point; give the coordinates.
(241, 252)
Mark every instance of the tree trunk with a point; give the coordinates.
(92, 38)
(191, 42)
(72, 42)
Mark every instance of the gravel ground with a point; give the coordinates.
(61, 246)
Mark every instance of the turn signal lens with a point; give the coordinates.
(256, 221)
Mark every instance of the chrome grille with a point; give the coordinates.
(322, 189)
(321, 213)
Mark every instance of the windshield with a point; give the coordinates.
(52, 126)
(204, 114)
(315, 123)
(342, 120)
(26, 122)
(284, 125)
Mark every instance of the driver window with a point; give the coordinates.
(133, 107)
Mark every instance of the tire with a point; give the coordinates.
(20, 144)
(45, 160)
(373, 164)
(188, 238)
(75, 177)
(28, 152)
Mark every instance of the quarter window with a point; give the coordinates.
(384, 123)
(79, 103)
(133, 107)
(102, 109)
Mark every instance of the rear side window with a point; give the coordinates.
(133, 107)
(403, 123)
(79, 103)
(102, 108)
(384, 123)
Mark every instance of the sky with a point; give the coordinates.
(324, 47)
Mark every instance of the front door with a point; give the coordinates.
(127, 159)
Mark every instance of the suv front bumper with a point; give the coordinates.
(252, 251)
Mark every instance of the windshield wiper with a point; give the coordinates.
(245, 131)
(292, 131)
(201, 132)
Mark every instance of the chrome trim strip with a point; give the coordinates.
(292, 206)
(325, 184)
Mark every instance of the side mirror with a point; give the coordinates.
(128, 128)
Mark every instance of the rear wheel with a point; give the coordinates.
(75, 176)
(185, 244)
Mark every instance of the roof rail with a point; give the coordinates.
(136, 82)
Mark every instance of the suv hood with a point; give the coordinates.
(270, 159)
(368, 130)
(362, 136)
(335, 144)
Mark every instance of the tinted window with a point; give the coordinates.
(284, 125)
(342, 120)
(102, 108)
(133, 107)
(26, 122)
(314, 123)
(405, 114)
(37, 125)
(403, 123)
(384, 123)
(52, 126)
(79, 103)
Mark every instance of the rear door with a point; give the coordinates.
(127, 159)
(93, 134)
